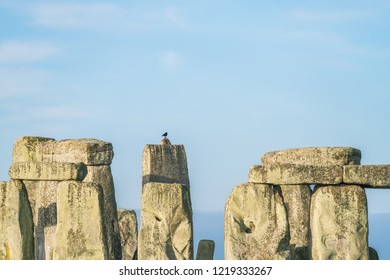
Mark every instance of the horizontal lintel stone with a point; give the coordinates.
(377, 176)
(295, 174)
(314, 156)
(48, 171)
(87, 150)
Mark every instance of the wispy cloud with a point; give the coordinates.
(327, 16)
(26, 51)
(104, 16)
(47, 113)
(20, 81)
(171, 60)
(174, 16)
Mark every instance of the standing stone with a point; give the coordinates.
(80, 233)
(373, 254)
(339, 223)
(16, 226)
(42, 196)
(127, 220)
(166, 223)
(256, 225)
(205, 250)
(165, 164)
(297, 201)
(25, 148)
(314, 156)
(101, 174)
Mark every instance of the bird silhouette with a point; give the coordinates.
(165, 134)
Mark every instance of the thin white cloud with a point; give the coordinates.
(75, 15)
(26, 51)
(104, 16)
(171, 60)
(44, 113)
(20, 81)
(174, 16)
(58, 112)
(327, 16)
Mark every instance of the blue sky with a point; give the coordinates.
(230, 80)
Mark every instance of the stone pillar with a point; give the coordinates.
(80, 233)
(373, 254)
(128, 229)
(339, 223)
(101, 174)
(16, 225)
(297, 201)
(205, 250)
(42, 196)
(256, 225)
(166, 223)
(166, 216)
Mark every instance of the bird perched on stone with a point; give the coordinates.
(165, 134)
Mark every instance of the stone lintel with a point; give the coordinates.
(376, 176)
(165, 164)
(87, 150)
(314, 156)
(45, 171)
(296, 174)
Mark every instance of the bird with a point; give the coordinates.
(165, 134)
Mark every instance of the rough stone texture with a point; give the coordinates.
(25, 148)
(42, 196)
(205, 250)
(80, 233)
(296, 174)
(297, 201)
(128, 229)
(166, 223)
(86, 150)
(165, 164)
(102, 175)
(16, 226)
(339, 223)
(314, 156)
(256, 225)
(373, 254)
(44, 171)
(369, 175)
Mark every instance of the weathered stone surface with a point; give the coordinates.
(166, 223)
(80, 233)
(44, 171)
(256, 225)
(296, 174)
(16, 226)
(102, 175)
(128, 229)
(373, 254)
(25, 148)
(314, 156)
(339, 223)
(297, 201)
(205, 250)
(86, 150)
(42, 196)
(165, 164)
(369, 175)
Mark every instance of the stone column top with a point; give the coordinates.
(314, 156)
